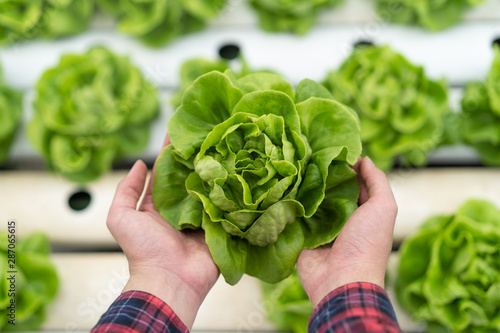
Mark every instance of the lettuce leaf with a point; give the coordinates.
(402, 112)
(298, 16)
(430, 14)
(28, 19)
(10, 116)
(194, 68)
(449, 271)
(36, 282)
(261, 167)
(158, 22)
(481, 115)
(287, 304)
(89, 110)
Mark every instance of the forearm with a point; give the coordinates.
(356, 307)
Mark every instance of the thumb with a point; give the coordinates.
(130, 189)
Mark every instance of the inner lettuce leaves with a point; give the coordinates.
(158, 22)
(196, 67)
(286, 304)
(430, 14)
(298, 16)
(28, 19)
(264, 169)
(480, 126)
(403, 114)
(36, 282)
(449, 271)
(91, 109)
(10, 116)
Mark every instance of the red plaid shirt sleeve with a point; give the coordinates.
(137, 311)
(355, 307)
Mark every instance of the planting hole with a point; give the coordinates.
(362, 43)
(229, 51)
(496, 42)
(79, 200)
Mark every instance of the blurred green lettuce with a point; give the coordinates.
(402, 112)
(157, 22)
(287, 304)
(449, 271)
(36, 282)
(10, 116)
(481, 114)
(263, 168)
(433, 15)
(298, 16)
(90, 110)
(27, 19)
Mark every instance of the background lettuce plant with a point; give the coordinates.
(287, 304)
(28, 19)
(10, 116)
(481, 114)
(430, 14)
(157, 22)
(89, 110)
(261, 167)
(402, 112)
(449, 271)
(297, 16)
(36, 282)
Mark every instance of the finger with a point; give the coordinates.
(363, 194)
(375, 180)
(130, 189)
(147, 202)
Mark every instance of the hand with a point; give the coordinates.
(361, 251)
(175, 266)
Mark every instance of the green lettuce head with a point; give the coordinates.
(287, 304)
(481, 114)
(28, 19)
(36, 282)
(430, 14)
(261, 167)
(157, 22)
(10, 116)
(90, 110)
(449, 271)
(402, 112)
(297, 16)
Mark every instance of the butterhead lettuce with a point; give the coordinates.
(430, 14)
(449, 271)
(28, 19)
(287, 304)
(263, 168)
(194, 68)
(297, 16)
(481, 114)
(36, 282)
(91, 109)
(10, 116)
(402, 112)
(157, 22)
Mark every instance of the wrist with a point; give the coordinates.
(182, 298)
(341, 280)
